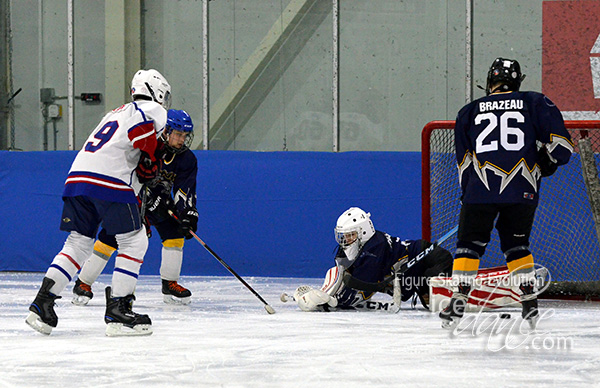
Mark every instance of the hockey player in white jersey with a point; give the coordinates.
(174, 189)
(101, 188)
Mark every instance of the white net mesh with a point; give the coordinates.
(564, 234)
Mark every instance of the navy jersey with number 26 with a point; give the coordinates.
(497, 139)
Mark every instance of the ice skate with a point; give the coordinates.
(453, 313)
(174, 293)
(529, 303)
(121, 320)
(82, 293)
(42, 317)
(455, 310)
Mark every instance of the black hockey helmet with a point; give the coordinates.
(507, 73)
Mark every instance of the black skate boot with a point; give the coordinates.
(121, 320)
(42, 317)
(529, 303)
(174, 293)
(82, 293)
(454, 312)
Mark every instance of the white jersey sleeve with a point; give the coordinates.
(104, 167)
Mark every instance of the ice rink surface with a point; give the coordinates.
(225, 338)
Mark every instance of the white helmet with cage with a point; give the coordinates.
(354, 226)
(153, 86)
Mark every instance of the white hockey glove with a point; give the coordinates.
(310, 299)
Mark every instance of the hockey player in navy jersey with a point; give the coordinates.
(101, 188)
(505, 143)
(173, 190)
(370, 261)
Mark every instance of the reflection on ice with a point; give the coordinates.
(226, 338)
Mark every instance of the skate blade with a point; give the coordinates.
(36, 323)
(80, 300)
(450, 324)
(120, 330)
(532, 322)
(170, 299)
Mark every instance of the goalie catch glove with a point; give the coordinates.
(547, 166)
(310, 299)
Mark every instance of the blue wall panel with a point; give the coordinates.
(264, 213)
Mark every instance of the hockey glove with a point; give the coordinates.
(161, 150)
(147, 169)
(310, 299)
(189, 222)
(160, 203)
(547, 166)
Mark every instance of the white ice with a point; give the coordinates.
(225, 338)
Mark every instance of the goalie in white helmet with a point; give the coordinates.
(367, 261)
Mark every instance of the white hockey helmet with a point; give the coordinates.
(152, 85)
(354, 225)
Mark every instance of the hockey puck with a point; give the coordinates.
(505, 316)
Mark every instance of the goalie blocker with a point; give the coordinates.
(493, 289)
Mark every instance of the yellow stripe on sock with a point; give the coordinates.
(465, 264)
(524, 263)
(103, 250)
(173, 243)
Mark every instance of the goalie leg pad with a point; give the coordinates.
(310, 299)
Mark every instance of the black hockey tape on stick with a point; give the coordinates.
(269, 309)
(352, 282)
(143, 199)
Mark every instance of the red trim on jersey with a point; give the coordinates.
(92, 180)
(143, 137)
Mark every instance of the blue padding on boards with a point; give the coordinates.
(263, 213)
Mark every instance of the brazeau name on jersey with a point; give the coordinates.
(500, 105)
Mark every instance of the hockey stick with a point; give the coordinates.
(143, 199)
(428, 250)
(269, 309)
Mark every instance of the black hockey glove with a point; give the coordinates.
(159, 204)
(188, 222)
(147, 169)
(547, 166)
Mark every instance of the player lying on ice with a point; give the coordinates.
(370, 261)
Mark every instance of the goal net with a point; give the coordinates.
(565, 235)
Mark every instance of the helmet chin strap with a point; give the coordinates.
(496, 89)
(151, 92)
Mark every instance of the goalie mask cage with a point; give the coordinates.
(565, 231)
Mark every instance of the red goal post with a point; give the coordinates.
(564, 237)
